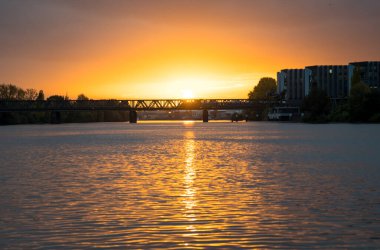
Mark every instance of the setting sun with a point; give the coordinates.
(187, 93)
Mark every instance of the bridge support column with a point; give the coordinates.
(133, 116)
(205, 115)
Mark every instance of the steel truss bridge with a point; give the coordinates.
(127, 105)
(131, 105)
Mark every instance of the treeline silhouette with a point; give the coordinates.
(12, 92)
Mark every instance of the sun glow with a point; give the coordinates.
(184, 69)
(187, 94)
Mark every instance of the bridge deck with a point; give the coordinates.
(127, 105)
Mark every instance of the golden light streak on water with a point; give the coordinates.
(190, 191)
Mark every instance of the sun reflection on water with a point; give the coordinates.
(190, 191)
(188, 123)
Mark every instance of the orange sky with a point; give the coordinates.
(168, 49)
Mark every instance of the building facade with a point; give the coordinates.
(294, 83)
(334, 79)
(369, 72)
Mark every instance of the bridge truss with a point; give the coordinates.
(128, 105)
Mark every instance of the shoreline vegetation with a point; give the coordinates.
(362, 106)
(12, 92)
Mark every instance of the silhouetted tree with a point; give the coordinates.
(373, 105)
(11, 92)
(82, 97)
(340, 113)
(358, 102)
(56, 98)
(264, 89)
(364, 102)
(41, 96)
(30, 94)
(316, 105)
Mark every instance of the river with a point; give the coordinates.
(179, 185)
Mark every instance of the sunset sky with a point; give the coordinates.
(170, 49)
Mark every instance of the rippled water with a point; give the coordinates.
(190, 185)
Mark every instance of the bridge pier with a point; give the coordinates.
(205, 115)
(133, 116)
